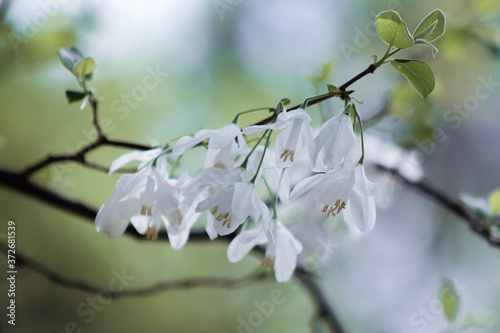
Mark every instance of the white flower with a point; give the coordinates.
(179, 212)
(225, 158)
(231, 207)
(281, 252)
(295, 137)
(134, 200)
(342, 188)
(276, 178)
(218, 139)
(334, 141)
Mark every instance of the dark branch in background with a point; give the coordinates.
(455, 206)
(213, 282)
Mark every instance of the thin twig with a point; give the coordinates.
(207, 282)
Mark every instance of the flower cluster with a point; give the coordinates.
(327, 167)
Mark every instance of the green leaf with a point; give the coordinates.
(432, 26)
(69, 57)
(74, 96)
(333, 89)
(449, 300)
(434, 49)
(418, 73)
(285, 101)
(393, 31)
(494, 202)
(84, 67)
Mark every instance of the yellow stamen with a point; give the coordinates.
(287, 153)
(179, 217)
(226, 218)
(152, 233)
(220, 165)
(335, 209)
(268, 262)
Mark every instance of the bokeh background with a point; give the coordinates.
(223, 57)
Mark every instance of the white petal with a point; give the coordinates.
(305, 186)
(242, 205)
(223, 136)
(335, 141)
(360, 211)
(187, 142)
(287, 250)
(109, 220)
(177, 240)
(245, 242)
(255, 129)
(140, 222)
(210, 228)
(362, 183)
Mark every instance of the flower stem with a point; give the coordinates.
(245, 162)
(262, 158)
(235, 120)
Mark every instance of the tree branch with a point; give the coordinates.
(213, 282)
(450, 203)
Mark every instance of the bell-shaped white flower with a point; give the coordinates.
(218, 139)
(281, 253)
(231, 207)
(276, 178)
(178, 209)
(135, 200)
(295, 137)
(342, 188)
(334, 141)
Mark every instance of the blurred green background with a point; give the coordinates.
(223, 57)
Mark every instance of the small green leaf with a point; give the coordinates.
(332, 89)
(285, 101)
(494, 202)
(69, 57)
(449, 300)
(393, 31)
(74, 96)
(84, 67)
(418, 73)
(432, 26)
(434, 49)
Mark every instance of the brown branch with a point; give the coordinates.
(207, 282)
(343, 88)
(452, 204)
